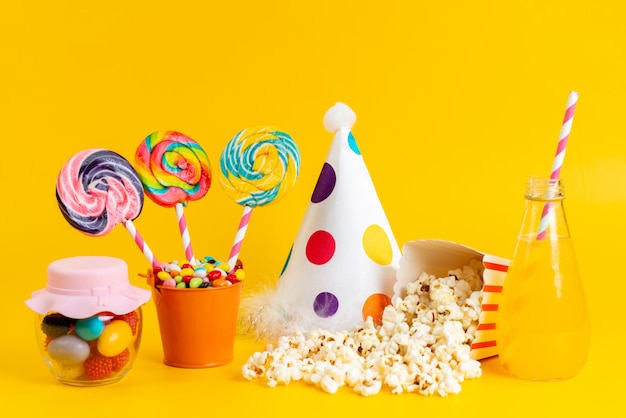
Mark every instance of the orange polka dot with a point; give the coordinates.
(374, 307)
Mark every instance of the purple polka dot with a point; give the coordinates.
(325, 184)
(325, 304)
(353, 145)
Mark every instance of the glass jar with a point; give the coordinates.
(543, 327)
(89, 351)
(88, 321)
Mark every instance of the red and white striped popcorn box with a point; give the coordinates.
(437, 257)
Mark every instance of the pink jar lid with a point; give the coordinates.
(80, 287)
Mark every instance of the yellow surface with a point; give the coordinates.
(457, 103)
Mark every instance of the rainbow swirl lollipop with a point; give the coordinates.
(257, 167)
(174, 169)
(98, 189)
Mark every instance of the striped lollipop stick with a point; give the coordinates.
(143, 246)
(555, 174)
(239, 236)
(257, 167)
(184, 233)
(99, 178)
(174, 169)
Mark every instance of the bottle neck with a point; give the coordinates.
(544, 216)
(545, 189)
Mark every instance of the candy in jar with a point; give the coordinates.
(88, 320)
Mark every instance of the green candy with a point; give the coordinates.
(195, 282)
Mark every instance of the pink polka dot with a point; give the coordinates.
(320, 247)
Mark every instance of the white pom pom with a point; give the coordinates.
(339, 116)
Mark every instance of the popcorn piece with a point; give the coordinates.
(370, 384)
(329, 384)
(422, 345)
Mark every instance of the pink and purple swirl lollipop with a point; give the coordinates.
(98, 189)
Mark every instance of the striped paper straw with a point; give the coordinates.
(184, 233)
(241, 233)
(555, 174)
(147, 252)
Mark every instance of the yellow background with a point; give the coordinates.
(457, 103)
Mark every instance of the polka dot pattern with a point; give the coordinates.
(377, 245)
(326, 304)
(325, 184)
(346, 258)
(374, 307)
(353, 145)
(320, 247)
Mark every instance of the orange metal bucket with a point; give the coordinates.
(198, 326)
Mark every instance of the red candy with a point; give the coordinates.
(119, 361)
(214, 274)
(98, 367)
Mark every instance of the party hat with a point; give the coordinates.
(343, 262)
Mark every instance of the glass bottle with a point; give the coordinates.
(543, 326)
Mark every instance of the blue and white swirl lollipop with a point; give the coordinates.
(258, 166)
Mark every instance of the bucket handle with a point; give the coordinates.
(156, 292)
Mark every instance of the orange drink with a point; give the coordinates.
(543, 326)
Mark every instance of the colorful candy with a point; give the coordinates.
(115, 338)
(174, 169)
(68, 350)
(89, 328)
(98, 189)
(90, 349)
(206, 274)
(195, 283)
(258, 166)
